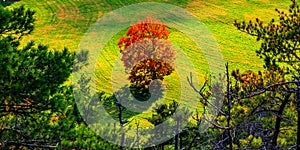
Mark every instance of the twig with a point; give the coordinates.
(201, 93)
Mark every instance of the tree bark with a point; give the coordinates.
(121, 125)
(298, 113)
(177, 134)
(229, 109)
(278, 119)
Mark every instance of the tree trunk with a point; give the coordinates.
(121, 125)
(298, 113)
(177, 135)
(229, 109)
(180, 142)
(279, 118)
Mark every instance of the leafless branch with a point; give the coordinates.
(31, 144)
(292, 147)
(200, 92)
(265, 89)
(220, 142)
(216, 125)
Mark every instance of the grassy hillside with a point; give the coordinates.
(62, 23)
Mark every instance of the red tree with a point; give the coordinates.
(146, 53)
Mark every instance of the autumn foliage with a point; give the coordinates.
(149, 28)
(250, 81)
(146, 53)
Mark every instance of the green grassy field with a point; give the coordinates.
(62, 23)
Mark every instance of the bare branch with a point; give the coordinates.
(200, 92)
(292, 147)
(216, 125)
(220, 142)
(265, 89)
(28, 144)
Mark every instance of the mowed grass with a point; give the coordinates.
(63, 23)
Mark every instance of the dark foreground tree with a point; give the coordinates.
(33, 98)
(260, 109)
(280, 49)
(37, 106)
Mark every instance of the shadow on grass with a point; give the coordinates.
(134, 97)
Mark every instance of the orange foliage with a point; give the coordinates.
(251, 80)
(146, 52)
(149, 28)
